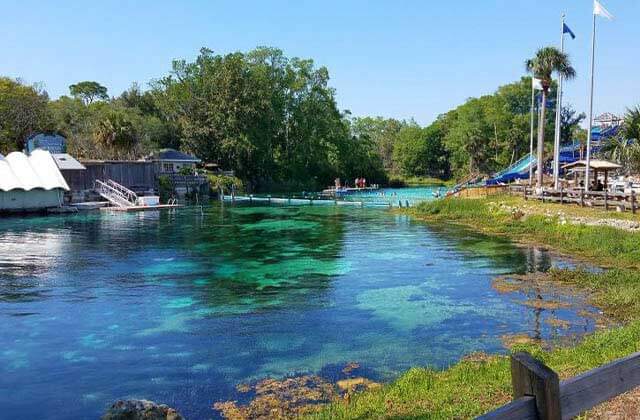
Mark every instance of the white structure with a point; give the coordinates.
(29, 183)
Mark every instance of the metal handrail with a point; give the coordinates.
(130, 195)
(114, 195)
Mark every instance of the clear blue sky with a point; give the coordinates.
(398, 59)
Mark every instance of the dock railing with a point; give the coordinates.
(539, 394)
(608, 200)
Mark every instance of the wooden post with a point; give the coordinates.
(581, 198)
(633, 202)
(606, 201)
(530, 377)
(524, 191)
(561, 195)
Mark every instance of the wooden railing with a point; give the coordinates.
(185, 181)
(539, 394)
(605, 199)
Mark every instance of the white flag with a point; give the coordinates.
(599, 10)
(537, 84)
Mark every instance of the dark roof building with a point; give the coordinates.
(174, 156)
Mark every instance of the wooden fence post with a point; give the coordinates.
(581, 198)
(524, 192)
(633, 202)
(530, 377)
(561, 195)
(606, 201)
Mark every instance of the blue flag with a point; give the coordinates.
(567, 30)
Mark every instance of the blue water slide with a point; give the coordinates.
(519, 170)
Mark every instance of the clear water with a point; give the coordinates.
(181, 307)
(412, 195)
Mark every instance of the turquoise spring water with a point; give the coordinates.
(180, 307)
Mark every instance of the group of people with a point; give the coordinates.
(359, 183)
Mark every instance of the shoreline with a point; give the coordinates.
(485, 381)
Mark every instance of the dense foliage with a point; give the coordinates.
(275, 122)
(23, 111)
(272, 119)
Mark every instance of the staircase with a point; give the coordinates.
(118, 195)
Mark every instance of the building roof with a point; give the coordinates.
(174, 155)
(66, 162)
(21, 172)
(594, 164)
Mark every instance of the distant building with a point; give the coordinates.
(30, 183)
(172, 161)
(52, 143)
(607, 120)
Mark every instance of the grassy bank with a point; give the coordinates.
(480, 383)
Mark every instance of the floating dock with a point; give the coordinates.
(292, 201)
(142, 208)
(315, 202)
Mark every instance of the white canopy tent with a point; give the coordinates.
(31, 182)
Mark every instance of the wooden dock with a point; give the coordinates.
(142, 208)
(291, 201)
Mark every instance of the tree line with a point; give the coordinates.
(274, 120)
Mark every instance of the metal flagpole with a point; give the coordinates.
(556, 143)
(593, 57)
(533, 106)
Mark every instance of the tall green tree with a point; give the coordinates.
(23, 111)
(383, 132)
(272, 119)
(570, 121)
(420, 151)
(543, 65)
(88, 91)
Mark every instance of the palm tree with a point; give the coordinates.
(115, 132)
(548, 60)
(632, 123)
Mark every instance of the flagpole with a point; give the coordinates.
(593, 57)
(533, 106)
(556, 143)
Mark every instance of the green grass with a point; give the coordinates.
(477, 385)
(473, 387)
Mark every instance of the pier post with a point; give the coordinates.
(532, 378)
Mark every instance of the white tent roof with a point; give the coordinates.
(21, 172)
